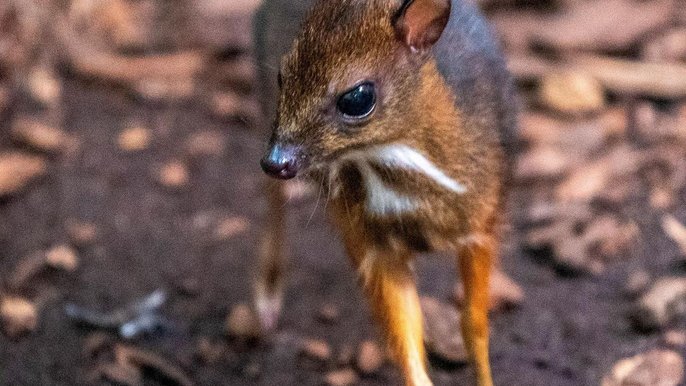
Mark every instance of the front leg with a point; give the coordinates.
(269, 283)
(475, 261)
(389, 285)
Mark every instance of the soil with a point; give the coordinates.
(569, 330)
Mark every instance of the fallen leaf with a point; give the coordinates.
(18, 315)
(675, 230)
(18, 169)
(654, 368)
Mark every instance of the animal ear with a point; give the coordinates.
(419, 23)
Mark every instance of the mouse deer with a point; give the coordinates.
(403, 111)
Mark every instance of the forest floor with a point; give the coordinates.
(149, 195)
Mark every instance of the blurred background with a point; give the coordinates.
(131, 205)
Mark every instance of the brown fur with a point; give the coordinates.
(341, 43)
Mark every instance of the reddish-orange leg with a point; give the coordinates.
(475, 261)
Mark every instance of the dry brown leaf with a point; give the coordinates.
(589, 180)
(675, 230)
(628, 77)
(527, 67)
(121, 374)
(342, 377)
(654, 368)
(230, 227)
(44, 85)
(127, 355)
(206, 143)
(134, 138)
(222, 25)
(542, 162)
(442, 330)
(503, 292)
(242, 323)
(4, 98)
(18, 316)
(370, 357)
(18, 169)
(40, 136)
(62, 257)
(662, 303)
(576, 138)
(579, 240)
(668, 47)
(316, 349)
(571, 92)
(173, 174)
(81, 232)
(592, 25)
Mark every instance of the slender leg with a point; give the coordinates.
(475, 263)
(389, 285)
(269, 283)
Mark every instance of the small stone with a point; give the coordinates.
(675, 338)
(230, 227)
(19, 316)
(17, 170)
(571, 92)
(343, 377)
(316, 349)
(81, 232)
(328, 313)
(62, 257)
(654, 368)
(40, 136)
(442, 331)
(173, 175)
(242, 323)
(664, 302)
(134, 138)
(370, 358)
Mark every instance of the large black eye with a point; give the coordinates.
(359, 102)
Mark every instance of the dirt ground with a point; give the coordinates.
(569, 329)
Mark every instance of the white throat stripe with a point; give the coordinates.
(380, 199)
(406, 157)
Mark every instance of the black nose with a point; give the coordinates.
(282, 161)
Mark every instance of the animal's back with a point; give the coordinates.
(470, 59)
